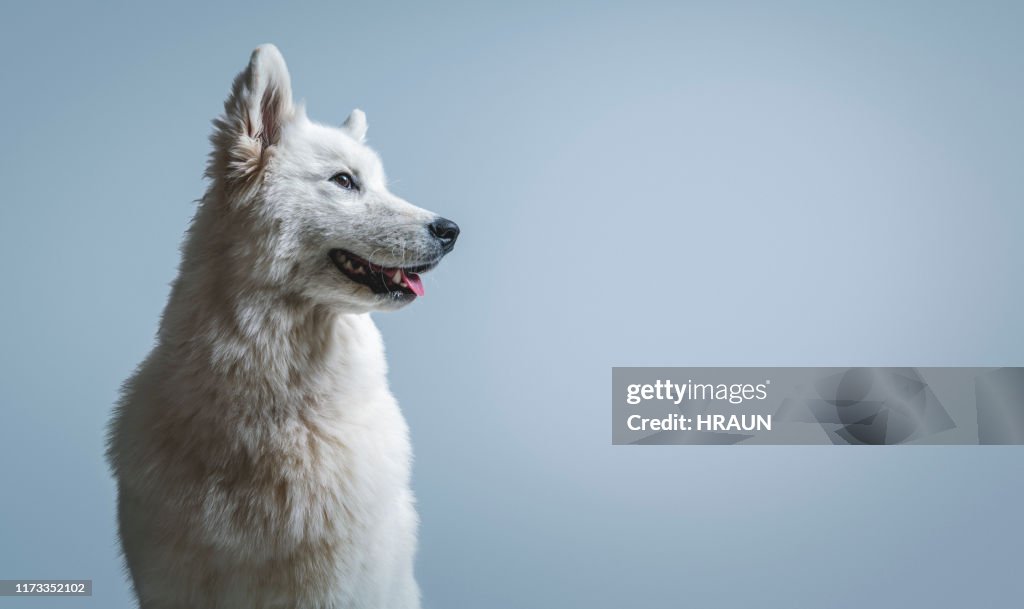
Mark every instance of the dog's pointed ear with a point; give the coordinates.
(267, 95)
(255, 113)
(356, 125)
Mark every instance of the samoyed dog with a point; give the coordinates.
(260, 458)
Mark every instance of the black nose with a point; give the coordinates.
(445, 231)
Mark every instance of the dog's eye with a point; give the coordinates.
(345, 180)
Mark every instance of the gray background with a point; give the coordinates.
(638, 184)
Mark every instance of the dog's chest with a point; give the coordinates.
(326, 499)
(328, 474)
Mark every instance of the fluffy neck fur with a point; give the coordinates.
(250, 350)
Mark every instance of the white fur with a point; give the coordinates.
(261, 460)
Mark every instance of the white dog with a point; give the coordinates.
(261, 460)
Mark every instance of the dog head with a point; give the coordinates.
(305, 208)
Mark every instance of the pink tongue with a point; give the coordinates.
(414, 283)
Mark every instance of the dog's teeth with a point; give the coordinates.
(397, 277)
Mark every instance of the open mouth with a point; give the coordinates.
(381, 279)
